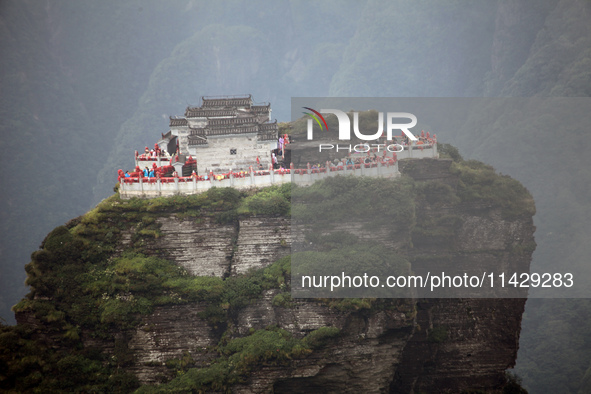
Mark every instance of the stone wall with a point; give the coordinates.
(166, 187)
(216, 156)
(150, 188)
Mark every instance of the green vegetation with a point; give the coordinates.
(239, 356)
(438, 334)
(97, 275)
(448, 151)
(70, 82)
(480, 182)
(30, 365)
(374, 202)
(354, 259)
(81, 282)
(274, 200)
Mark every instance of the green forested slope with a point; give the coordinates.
(409, 48)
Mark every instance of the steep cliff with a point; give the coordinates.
(194, 292)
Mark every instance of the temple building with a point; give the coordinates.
(223, 134)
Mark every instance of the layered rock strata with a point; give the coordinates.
(426, 345)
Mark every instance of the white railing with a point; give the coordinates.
(169, 186)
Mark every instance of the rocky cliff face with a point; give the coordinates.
(427, 345)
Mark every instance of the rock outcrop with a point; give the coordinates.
(425, 345)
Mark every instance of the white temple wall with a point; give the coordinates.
(217, 157)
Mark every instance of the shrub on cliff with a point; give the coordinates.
(480, 182)
(274, 200)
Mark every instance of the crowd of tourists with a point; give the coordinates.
(152, 153)
(370, 158)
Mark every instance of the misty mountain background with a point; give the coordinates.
(83, 84)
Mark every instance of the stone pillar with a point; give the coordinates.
(272, 173)
(176, 184)
(251, 176)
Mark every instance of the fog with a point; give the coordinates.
(85, 83)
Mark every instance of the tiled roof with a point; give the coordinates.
(245, 101)
(196, 140)
(267, 136)
(196, 112)
(269, 127)
(222, 122)
(197, 131)
(178, 122)
(233, 130)
(260, 108)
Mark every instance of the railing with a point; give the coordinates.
(168, 186)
